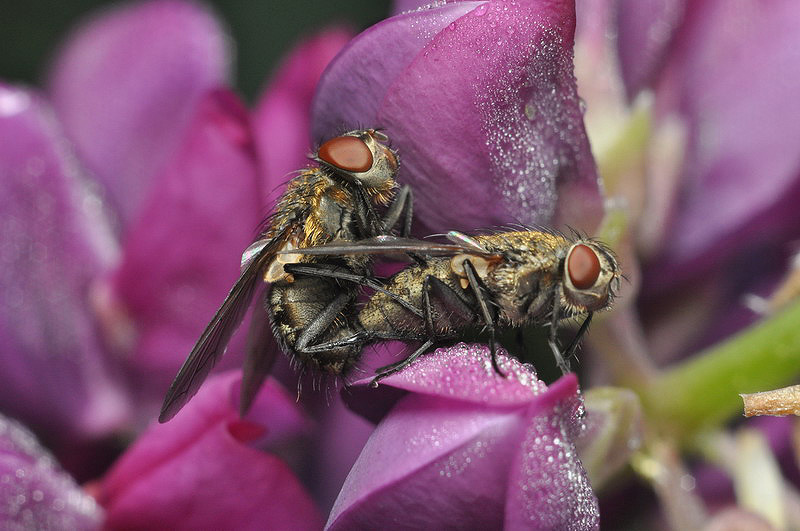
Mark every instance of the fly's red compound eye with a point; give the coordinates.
(583, 266)
(348, 153)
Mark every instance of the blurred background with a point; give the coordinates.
(263, 31)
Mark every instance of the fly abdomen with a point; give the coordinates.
(296, 309)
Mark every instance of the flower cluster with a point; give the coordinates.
(131, 183)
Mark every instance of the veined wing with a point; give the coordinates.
(212, 343)
(385, 245)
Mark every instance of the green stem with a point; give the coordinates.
(703, 392)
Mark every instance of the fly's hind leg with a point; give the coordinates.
(485, 312)
(432, 287)
(342, 273)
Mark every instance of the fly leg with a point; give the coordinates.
(403, 204)
(452, 301)
(485, 312)
(342, 273)
(427, 309)
(552, 340)
(368, 220)
(573, 346)
(323, 321)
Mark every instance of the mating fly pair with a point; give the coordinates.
(334, 200)
(505, 279)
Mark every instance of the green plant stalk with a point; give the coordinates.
(703, 392)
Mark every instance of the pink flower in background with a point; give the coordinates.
(127, 203)
(34, 492)
(206, 469)
(129, 192)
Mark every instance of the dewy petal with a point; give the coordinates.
(196, 471)
(742, 168)
(53, 242)
(645, 29)
(182, 254)
(35, 492)
(469, 377)
(548, 486)
(441, 458)
(126, 84)
(403, 6)
(479, 99)
(282, 118)
(432, 463)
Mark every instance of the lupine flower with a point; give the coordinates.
(692, 128)
(467, 448)
(499, 134)
(132, 184)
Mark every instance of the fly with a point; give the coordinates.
(506, 279)
(334, 200)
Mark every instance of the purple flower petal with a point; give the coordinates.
(282, 118)
(469, 377)
(53, 242)
(480, 100)
(403, 6)
(443, 456)
(645, 30)
(741, 173)
(431, 463)
(199, 471)
(126, 84)
(35, 492)
(182, 255)
(548, 487)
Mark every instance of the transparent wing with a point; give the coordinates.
(385, 245)
(260, 353)
(211, 345)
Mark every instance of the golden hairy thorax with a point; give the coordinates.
(323, 204)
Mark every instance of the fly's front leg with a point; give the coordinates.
(403, 204)
(573, 346)
(552, 340)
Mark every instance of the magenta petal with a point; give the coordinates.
(126, 84)
(402, 6)
(548, 486)
(182, 255)
(469, 377)
(432, 464)
(444, 456)
(479, 98)
(53, 243)
(645, 29)
(194, 473)
(742, 167)
(35, 492)
(282, 118)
